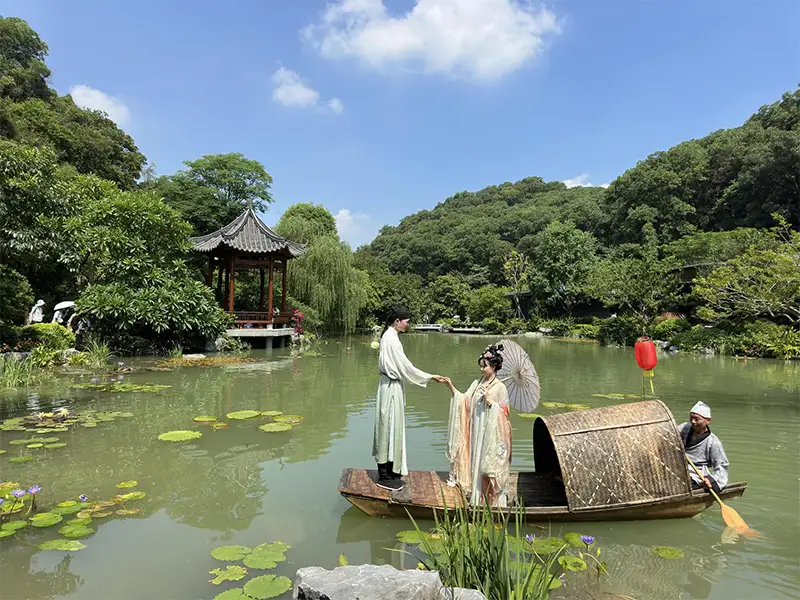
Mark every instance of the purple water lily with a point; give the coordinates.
(18, 493)
(34, 489)
(83, 498)
(587, 539)
(529, 538)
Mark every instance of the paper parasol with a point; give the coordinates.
(520, 378)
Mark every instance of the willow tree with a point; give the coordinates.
(324, 278)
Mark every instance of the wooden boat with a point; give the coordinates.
(615, 463)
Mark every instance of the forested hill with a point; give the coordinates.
(731, 178)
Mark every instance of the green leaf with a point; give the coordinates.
(128, 484)
(130, 496)
(46, 519)
(4, 533)
(572, 563)
(66, 504)
(667, 552)
(271, 413)
(574, 540)
(275, 427)
(266, 556)
(411, 536)
(14, 525)
(64, 545)
(545, 546)
(204, 419)
(554, 405)
(81, 521)
(240, 415)
(182, 435)
(229, 573)
(529, 415)
(343, 560)
(232, 594)
(76, 531)
(230, 553)
(20, 459)
(36, 445)
(292, 419)
(56, 445)
(267, 586)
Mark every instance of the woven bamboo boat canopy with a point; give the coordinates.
(621, 455)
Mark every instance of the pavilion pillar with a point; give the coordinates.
(283, 287)
(227, 288)
(270, 290)
(261, 288)
(210, 276)
(219, 281)
(231, 282)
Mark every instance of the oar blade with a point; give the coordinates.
(732, 519)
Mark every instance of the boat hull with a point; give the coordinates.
(426, 494)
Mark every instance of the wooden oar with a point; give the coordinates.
(730, 516)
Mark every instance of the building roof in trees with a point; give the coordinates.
(247, 233)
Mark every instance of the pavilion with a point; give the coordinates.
(247, 243)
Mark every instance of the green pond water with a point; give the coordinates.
(243, 486)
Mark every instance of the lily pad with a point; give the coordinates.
(69, 510)
(132, 496)
(574, 540)
(13, 525)
(90, 424)
(219, 425)
(64, 545)
(275, 427)
(233, 594)
(229, 573)
(20, 459)
(66, 504)
(56, 445)
(126, 415)
(4, 533)
(204, 419)
(271, 413)
(3, 451)
(49, 440)
(127, 512)
(36, 445)
(19, 442)
(545, 546)
(230, 553)
(128, 484)
(182, 435)
(83, 521)
(102, 513)
(578, 406)
(411, 536)
(554, 405)
(267, 586)
(572, 563)
(667, 552)
(266, 556)
(46, 519)
(528, 415)
(240, 415)
(292, 419)
(76, 531)
(84, 514)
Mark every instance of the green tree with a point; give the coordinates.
(215, 189)
(16, 296)
(563, 258)
(447, 296)
(324, 278)
(490, 302)
(517, 272)
(762, 282)
(304, 222)
(23, 72)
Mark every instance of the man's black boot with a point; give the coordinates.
(390, 471)
(385, 479)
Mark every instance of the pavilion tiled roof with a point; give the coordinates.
(247, 233)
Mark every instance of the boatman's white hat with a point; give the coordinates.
(702, 409)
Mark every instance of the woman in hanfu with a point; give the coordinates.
(479, 434)
(389, 441)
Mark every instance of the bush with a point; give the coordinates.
(16, 296)
(759, 339)
(492, 326)
(668, 328)
(516, 326)
(50, 335)
(620, 331)
(586, 331)
(558, 327)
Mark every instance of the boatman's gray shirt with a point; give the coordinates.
(708, 455)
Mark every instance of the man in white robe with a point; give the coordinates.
(389, 442)
(704, 449)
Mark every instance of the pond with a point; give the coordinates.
(241, 485)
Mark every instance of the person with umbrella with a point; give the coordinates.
(389, 440)
(479, 434)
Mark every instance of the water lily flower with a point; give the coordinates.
(83, 498)
(587, 539)
(18, 493)
(529, 538)
(95, 380)
(34, 489)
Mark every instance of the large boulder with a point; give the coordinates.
(373, 582)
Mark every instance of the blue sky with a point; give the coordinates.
(377, 109)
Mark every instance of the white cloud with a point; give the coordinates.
(290, 90)
(582, 180)
(87, 97)
(479, 39)
(355, 228)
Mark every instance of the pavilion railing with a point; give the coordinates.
(257, 319)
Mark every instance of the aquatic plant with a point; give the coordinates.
(275, 427)
(267, 586)
(241, 415)
(667, 552)
(229, 573)
(263, 556)
(182, 435)
(291, 419)
(114, 385)
(206, 361)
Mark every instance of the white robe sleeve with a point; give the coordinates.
(393, 362)
(719, 463)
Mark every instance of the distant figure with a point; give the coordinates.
(58, 317)
(704, 449)
(479, 434)
(37, 314)
(389, 441)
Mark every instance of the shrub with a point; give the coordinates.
(492, 326)
(16, 296)
(669, 328)
(516, 326)
(50, 335)
(558, 327)
(586, 331)
(620, 331)
(759, 339)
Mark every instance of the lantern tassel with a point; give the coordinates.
(649, 375)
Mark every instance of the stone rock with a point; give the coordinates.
(373, 582)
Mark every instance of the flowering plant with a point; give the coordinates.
(297, 321)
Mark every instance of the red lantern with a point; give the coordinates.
(645, 351)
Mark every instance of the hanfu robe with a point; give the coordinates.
(708, 455)
(389, 442)
(479, 442)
